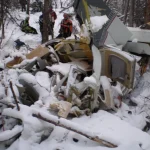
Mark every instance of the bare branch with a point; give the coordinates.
(15, 98)
(74, 129)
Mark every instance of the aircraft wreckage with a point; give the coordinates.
(95, 67)
(90, 70)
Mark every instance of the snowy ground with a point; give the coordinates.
(123, 128)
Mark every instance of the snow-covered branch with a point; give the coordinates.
(8, 134)
(64, 123)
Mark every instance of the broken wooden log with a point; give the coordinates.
(14, 95)
(75, 128)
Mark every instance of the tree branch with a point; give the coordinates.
(15, 98)
(73, 128)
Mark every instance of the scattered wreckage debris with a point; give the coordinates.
(13, 133)
(84, 86)
(38, 52)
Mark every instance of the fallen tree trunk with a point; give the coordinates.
(61, 122)
(75, 128)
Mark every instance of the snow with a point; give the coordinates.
(123, 128)
(125, 54)
(98, 22)
(43, 79)
(8, 134)
(63, 68)
(102, 123)
(90, 81)
(135, 40)
(31, 81)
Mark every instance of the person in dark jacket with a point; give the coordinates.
(41, 23)
(52, 18)
(25, 27)
(65, 27)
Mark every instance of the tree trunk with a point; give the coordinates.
(131, 16)
(45, 21)
(147, 12)
(2, 18)
(28, 7)
(61, 4)
(123, 6)
(126, 11)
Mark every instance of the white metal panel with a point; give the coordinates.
(119, 32)
(110, 41)
(97, 61)
(137, 48)
(140, 34)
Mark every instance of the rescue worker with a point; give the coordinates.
(41, 23)
(65, 27)
(25, 27)
(52, 18)
(23, 4)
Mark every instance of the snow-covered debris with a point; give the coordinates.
(31, 83)
(135, 40)
(8, 134)
(98, 22)
(90, 81)
(43, 79)
(101, 125)
(63, 68)
(127, 134)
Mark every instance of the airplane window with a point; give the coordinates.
(117, 67)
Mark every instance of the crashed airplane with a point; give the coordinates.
(87, 87)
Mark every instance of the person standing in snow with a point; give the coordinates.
(52, 18)
(41, 23)
(65, 27)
